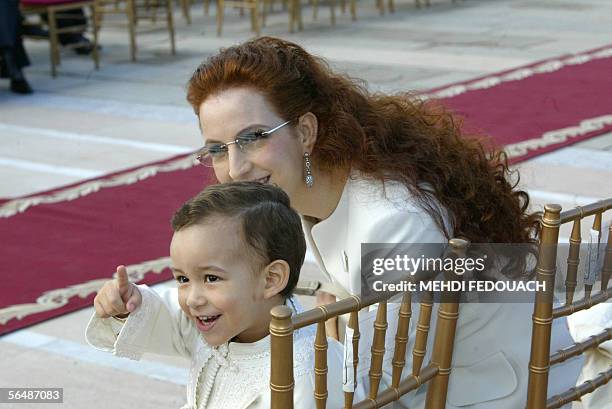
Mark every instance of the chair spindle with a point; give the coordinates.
(442, 354)
(401, 339)
(422, 332)
(320, 347)
(573, 260)
(378, 348)
(281, 371)
(539, 363)
(606, 271)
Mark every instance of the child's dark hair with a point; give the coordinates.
(271, 228)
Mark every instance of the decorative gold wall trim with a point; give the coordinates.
(13, 207)
(57, 298)
(520, 73)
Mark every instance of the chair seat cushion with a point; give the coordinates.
(47, 2)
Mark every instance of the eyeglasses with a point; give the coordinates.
(217, 153)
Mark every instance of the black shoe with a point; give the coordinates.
(33, 30)
(21, 86)
(86, 47)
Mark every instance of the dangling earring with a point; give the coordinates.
(308, 178)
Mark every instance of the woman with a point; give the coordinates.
(365, 168)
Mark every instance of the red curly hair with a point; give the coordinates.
(385, 137)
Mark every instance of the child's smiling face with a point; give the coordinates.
(219, 283)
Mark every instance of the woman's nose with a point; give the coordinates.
(239, 164)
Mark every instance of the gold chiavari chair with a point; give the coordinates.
(295, 15)
(268, 7)
(55, 10)
(137, 11)
(332, 9)
(380, 4)
(186, 9)
(185, 6)
(545, 312)
(436, 373)
(259, 11)
(253, 5)
(391, 5)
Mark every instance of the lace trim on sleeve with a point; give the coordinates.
(100, 334)
(133, 338)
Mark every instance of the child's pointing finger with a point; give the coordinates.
(128, 291)
(123, 282)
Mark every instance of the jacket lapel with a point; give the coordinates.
(326, 239)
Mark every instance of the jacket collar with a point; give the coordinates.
(326, 237)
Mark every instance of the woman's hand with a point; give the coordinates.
(117, 297)
(331, 325)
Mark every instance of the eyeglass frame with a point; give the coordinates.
(260, 135)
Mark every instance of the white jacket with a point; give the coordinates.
(492, 345)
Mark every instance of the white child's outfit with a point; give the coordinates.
(231, 376)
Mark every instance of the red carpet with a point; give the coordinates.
(539, 108)
(59, 246)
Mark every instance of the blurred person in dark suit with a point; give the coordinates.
(13, 56)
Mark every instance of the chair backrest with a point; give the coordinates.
(544, 311)
(436, 373)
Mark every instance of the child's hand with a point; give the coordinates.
(117, 297)
(331, 325)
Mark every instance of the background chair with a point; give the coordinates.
(186, 8)
(253, 5)
(544, 311)
(137, 11)
(56, 9)
(436, 373)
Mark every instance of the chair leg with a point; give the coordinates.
(353, 10)
(186, 10)
(255, 17)
(206, 5)
(170, 19)
(315, 8)
(391, 6)
(332, 9)
(220, 10)
(264, 12)
(132, 29)
(95, 27)
(292, 7)
(54, 43)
